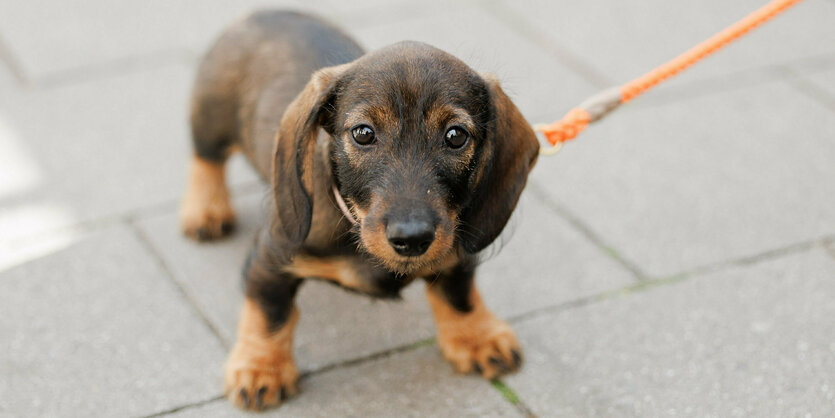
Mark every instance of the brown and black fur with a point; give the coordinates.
(287, 90)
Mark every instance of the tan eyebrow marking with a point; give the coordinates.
(443, 114)
(375, 115)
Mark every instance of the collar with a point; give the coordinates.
(342, 206)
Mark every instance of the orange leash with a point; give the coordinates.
(599, 105)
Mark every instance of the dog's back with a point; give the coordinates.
(250, 75)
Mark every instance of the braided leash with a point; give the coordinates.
(601, 104)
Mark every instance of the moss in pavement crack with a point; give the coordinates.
(506, 391)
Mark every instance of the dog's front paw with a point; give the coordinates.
(481, 343)
(256, 381)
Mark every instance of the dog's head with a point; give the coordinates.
(430, 156)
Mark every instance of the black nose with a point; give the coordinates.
(411, 237)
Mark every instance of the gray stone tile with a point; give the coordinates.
(51, 37)
(413, 384)
(525, 275)
(99, 149)
(7, 80)
(537, 82)
(626, 39)
(825, 81)
(709, 179)
(98, 329)
(750, 341)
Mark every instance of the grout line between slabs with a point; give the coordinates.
(128, 216)
(539, 193)
(651, 283)
(528, 30)
(794, 248)
(117, 66)
(597, 297)
(13, 64)
(324, 369)
(369, 357)
(708, 86)
(802, 84)
(511, 396)
(734, 80)
(146, 242)
(829, 246)
(185, 406)
(684, 91)
(114, 68)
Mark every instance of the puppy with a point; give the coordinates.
(426, 156)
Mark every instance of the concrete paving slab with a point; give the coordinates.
(54, 38)
(98, 329)
(825, 81)
(515, 281)
(412, 384)
(750, 341)
(537, 82)
(623, 40)
(831, 247)
(713, 178)
(7, 81)
(99, 149)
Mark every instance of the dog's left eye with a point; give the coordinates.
(456, 137)
(363, 134)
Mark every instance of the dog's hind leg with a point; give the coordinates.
(206, 212)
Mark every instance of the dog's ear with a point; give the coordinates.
(294, 153)
(509, 154)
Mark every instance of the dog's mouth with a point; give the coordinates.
(410, 266)
(373, 241)
(404, 266)
(406, 242)
(388, 258)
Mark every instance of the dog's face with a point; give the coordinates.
(430, 156)
(409, 126)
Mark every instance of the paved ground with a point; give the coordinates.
(677, 260)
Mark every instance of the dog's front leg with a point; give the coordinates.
(469, 335)
(260, 371)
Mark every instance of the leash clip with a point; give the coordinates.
(550, 150)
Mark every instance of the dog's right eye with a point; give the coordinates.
(363, 134)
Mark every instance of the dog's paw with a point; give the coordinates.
(488, 348)
(205, 221)
(206, 212)
(257, 383)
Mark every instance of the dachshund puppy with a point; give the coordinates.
(426, 156)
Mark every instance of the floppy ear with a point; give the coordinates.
(294, 152)
(510, 153)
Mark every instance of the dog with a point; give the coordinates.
(386, 167)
